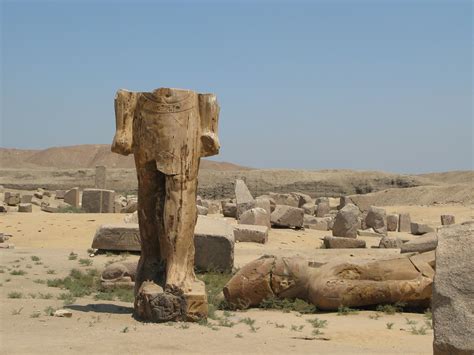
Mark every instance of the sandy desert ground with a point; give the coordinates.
(44, 241)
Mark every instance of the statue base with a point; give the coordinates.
(154, 304)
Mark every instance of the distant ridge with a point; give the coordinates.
(83, 157)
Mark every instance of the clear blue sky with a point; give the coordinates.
(382, 85)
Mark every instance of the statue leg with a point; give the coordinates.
(180, 215)
(151, 195)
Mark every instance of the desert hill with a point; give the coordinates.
(82, 157)
(66, 167)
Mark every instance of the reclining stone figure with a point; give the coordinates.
(335, 284)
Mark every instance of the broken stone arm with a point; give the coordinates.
(125, 105)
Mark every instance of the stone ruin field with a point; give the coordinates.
(62, 224)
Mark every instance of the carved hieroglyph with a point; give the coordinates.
(168, 131)
(401, 279)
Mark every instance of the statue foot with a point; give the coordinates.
(154, 304)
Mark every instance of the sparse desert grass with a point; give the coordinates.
(122, 294)
(428, 315)
(345, 311)
(287, 305)
(418, 331)
(72, 256)
(44, 296)
(35, 258)
(16, 312)
(85, 262)
(49, 311)
(15, 294)
(51, 272)
(296, 328)
(375, 316)
(18, 272)
(39, 281)
(215, 282)
(28, 266)
(78, 283)
(391, 308)
(184, 325)
(389, 325)
(67, 298)
(318, 323)
(278, 325)
(125, 330)
(410, 322)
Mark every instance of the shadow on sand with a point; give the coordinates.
(101, 308)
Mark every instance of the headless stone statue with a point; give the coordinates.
(403, 279)
(168, 131)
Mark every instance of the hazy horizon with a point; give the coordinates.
(324, 85)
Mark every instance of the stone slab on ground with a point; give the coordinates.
(243, 198)
(404, 222)
(72, 197)
(343, 243)
(420, 228)
(287, 216)
(422, 244)
(98, 201)
(453, 290)
(250, 233)
(214, 244)
(119, 237)
(255, 216)
(25, 207)
(346, 222)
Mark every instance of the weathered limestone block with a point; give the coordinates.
(453, 290)
(346, 222)
(213, 207)
(26, 198)
(98, 201)
(288, 199)
(214, 245)
(343, 202)
(120, 274)
(256, 216)
(131, 218)
(318, 223)
(420, 228)
(59, 194)
(309, 208)
(12, 198)
(265, 203)
(243, 197)
(119, 237)
(202, 211)
(100, 177)
(25, 207)
(250, 233)
(322, 209)
(376, 219)
(447, 219)
(390, 243)
(266, 197)
(342, 243)
(229, 210)
(39, 193)
(426, 242)
(287, 216)
(72, 197)
(404, 222)
(304, 199)
(131, 206)
(392, 222)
